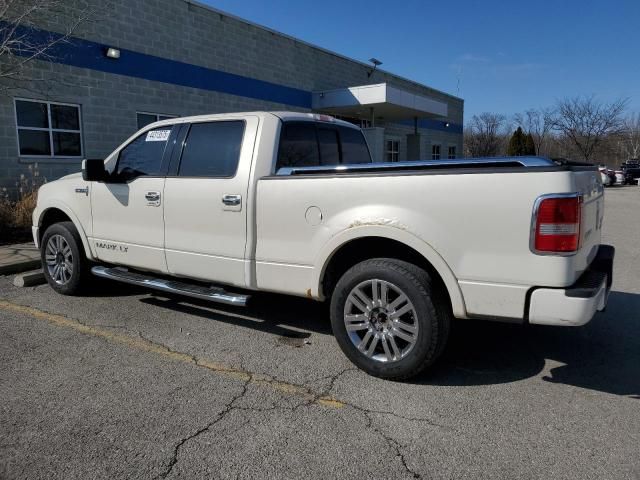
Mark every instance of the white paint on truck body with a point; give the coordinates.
(473, 227)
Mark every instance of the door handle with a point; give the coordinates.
(232, 200)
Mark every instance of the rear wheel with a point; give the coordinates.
(64, 263)
(388, 318)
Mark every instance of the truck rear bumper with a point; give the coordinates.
(575, 305)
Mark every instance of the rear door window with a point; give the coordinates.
(143, 156)
(212, 149)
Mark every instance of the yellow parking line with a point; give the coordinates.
(148, 346)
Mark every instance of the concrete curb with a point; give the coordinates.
(29, 279)
(20, 266)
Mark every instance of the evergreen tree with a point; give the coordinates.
(521, 144)
(516, 143)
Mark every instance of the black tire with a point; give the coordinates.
(431, 309)
(80, 275)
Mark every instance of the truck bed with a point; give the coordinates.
(474, 216)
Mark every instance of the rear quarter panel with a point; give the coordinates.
(478, 224)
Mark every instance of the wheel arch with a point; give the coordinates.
(61, 213)
(357, 244)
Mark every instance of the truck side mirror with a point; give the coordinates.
(93, 170)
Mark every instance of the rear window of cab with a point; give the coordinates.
(312, 144)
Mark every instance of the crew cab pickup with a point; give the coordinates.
(220, 206)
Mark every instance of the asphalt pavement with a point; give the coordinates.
(125, 383)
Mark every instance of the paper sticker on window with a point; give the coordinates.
(157, 136)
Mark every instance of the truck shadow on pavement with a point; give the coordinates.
(281, 315)
(102, 288)
(603, 355)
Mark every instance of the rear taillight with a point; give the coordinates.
(557, 224)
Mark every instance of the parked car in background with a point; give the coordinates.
(619, 177)
(604, 176)
(631, 171)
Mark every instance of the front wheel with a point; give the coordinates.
(388, 318)
(64, 264)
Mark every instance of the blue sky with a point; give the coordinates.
(499, 56)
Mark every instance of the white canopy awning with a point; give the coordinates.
(388, 102)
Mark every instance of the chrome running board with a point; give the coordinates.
(213, 294)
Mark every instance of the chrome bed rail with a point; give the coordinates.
(420, 165)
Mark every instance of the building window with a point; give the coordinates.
(452, 153)
(435, 152)
(48, 129)
(392, 150)
(145, 118)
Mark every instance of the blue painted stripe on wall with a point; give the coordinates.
(82, 53)
(439, 125)
(432, 124)
(87, 54)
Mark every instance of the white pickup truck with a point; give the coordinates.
(218, 206)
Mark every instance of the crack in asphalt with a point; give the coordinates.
(329, 393)
(324, 397)
(390, 441)
(370, 422)
(309, 396)
(225, 411)
(321, 398)
(229, 407)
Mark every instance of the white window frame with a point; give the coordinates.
(393, 151)
(50, 129)
(455, 154)
(436, 156)
(157, 115)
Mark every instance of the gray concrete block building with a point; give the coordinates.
(143, 60)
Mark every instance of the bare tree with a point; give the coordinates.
(586, 122)
(484, 135)
(630, 137)
(538, 123)
(19, 43)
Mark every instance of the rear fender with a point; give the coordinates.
(395, 233)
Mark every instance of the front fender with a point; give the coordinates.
(398, 234)
(63, 207)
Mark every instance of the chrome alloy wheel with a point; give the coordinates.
(59, 259)
(380, 320)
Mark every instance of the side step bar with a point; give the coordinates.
(213, 294)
